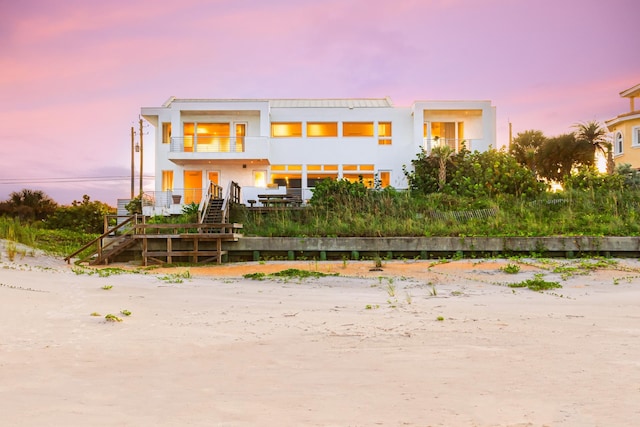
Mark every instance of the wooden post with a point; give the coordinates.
(169, 249)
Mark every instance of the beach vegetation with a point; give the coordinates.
(125, 312)
(112, 318)
(107, 287)
(537, 284)
(511, 268)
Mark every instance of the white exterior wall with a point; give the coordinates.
(263, 151)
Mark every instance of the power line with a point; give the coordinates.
(67, 179)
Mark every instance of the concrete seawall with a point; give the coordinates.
(427, 247)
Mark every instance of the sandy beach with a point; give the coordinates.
(417, 343)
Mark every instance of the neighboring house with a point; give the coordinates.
(625, 130)
(287, 145)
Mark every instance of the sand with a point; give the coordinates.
(420, 343)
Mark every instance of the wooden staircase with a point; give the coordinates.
(112, 249)
(214, 213)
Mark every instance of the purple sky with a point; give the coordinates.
(75, 73)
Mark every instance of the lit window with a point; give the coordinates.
(366, 167)
(384, 133)
(350, 167)
(286, 130)
(166, 133)
(314, 167)
(385, 179)
(167, 180)
(357, 129)
(331, 167)
(322, 129)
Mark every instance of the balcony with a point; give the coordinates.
(454, 143)
(184, 150)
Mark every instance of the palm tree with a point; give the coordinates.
(525, 148)
(596, 135)
(443, 153)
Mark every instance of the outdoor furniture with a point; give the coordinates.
(279, 200)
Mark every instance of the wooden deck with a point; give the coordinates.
(162, 243)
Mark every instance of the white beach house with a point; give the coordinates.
(280, 145)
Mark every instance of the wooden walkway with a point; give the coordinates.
(161, 243)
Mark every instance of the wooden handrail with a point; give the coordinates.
(102, 236)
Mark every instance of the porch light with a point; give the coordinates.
(137, 147)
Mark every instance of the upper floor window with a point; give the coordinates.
(322, 129)
(384, 133)
(286, 129)
(166, 133)
(617, 144)
(357, 129)
(635, 135)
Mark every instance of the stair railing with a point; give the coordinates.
(214, 191)
(99, 239)
(233, 196)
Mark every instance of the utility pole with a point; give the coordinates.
(133, 132)
(141, 159)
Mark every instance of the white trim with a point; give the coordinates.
(618, 143)
(635, 136)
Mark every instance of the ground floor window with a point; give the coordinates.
(167, 180)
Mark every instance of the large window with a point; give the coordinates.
(318, 173)
(384, 133)
(289, 176)
(357, 129)
(286, 129)
(206, 137)
(359, 173)
(322, 129)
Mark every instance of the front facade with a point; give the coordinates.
(625, 130)
(288, 145)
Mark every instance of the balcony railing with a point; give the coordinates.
(177, 196)
(455, 144)
(208, 144)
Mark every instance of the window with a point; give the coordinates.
(318, 173)
(206, 137)
(384, 133)
(286, 130)
(617, 149)
(635, 135)
(166, 133)
(287, 175)
(385, 178)
(167, 180)
(260, 178)
(359, 173)
(319, 129)
(357, 129)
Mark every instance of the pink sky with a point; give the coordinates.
(75, 73)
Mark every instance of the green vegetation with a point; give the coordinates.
(511, 268)
(289, 273)
(537, 284)
(464, 194)
(112, 318)
(125, 312)
(176, 277)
